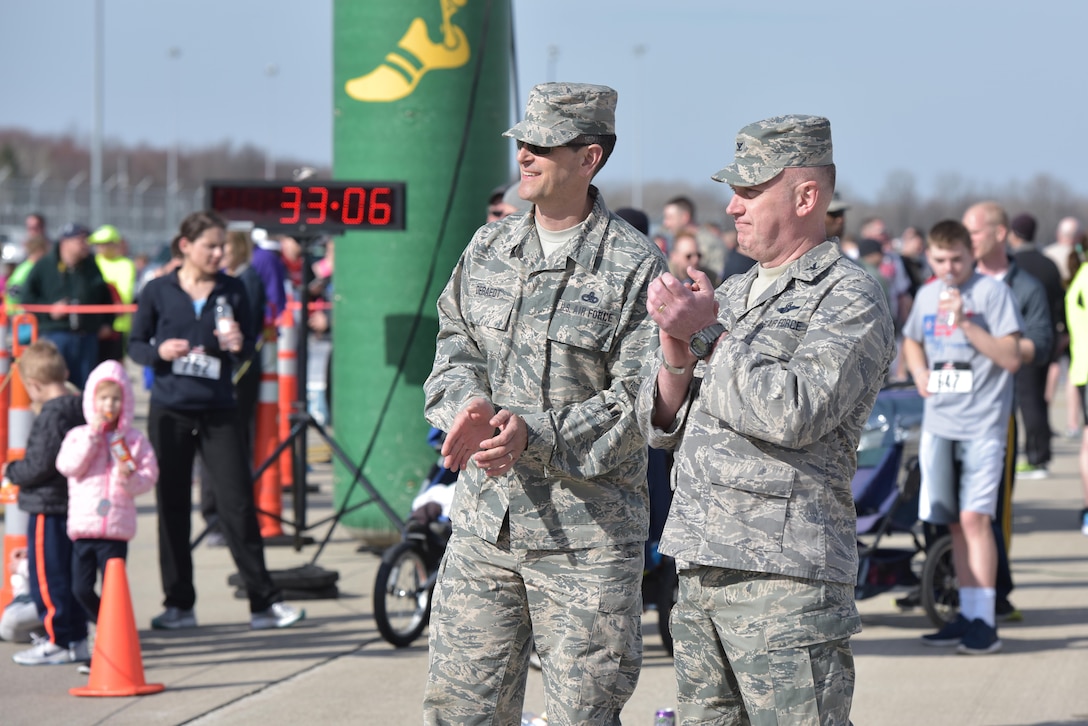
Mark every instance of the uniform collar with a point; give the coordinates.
(584, 249)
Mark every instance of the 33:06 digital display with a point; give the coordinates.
(311, 206)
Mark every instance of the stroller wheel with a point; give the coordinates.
(940, 594)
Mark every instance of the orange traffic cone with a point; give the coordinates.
(116, 666)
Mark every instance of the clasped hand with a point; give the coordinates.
(494, 440)
(681, 310)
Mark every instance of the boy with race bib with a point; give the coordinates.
(961, 347)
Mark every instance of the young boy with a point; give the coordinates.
(961, 344)
(43, 495)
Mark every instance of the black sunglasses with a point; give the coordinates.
(546, 150)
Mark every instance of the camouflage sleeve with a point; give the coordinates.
(797, 399)
(647, 397)
(459, 372)
(594, 436)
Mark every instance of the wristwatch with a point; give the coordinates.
(702, 343)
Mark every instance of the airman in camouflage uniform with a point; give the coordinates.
(543, 340)
(765, 429)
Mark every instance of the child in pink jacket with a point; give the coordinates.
(108, 463)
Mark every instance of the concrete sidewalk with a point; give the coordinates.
(335, 668)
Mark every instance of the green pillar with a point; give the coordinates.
(403, 76)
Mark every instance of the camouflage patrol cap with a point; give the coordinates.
(766, 147)
(558, 113)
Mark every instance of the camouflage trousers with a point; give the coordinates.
(763, 649)
(582, 609)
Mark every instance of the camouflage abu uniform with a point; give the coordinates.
(762, 520)
(561, 342)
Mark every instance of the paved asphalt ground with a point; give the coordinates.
(334, 668)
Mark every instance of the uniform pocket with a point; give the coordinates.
(749, 509)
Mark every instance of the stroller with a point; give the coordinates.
(885, 491)
(404, 584)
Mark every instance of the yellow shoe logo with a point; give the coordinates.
(399, 74)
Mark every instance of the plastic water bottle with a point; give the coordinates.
(224, 315)
(948, 317)
(665, 717)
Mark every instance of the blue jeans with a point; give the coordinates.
(80, 351)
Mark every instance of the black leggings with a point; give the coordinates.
(89, 557)
(176, 437)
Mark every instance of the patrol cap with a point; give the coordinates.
(766, 147)
(104, 235)
(558, 113)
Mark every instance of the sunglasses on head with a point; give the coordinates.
(546, 150)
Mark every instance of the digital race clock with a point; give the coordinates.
(311, 206)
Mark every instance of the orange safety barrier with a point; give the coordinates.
(5, 368)
(287, 368)
(267, 491)
(117, 668)
(20, 417)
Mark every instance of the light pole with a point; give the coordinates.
(96, 133)
(35, 188)
(138, 202)
(553, 61)
(70, 194)
(636, 183)
(173, 54)
(271, 70)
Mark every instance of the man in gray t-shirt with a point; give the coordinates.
(961, 345)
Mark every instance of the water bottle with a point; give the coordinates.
(948, 317)
(665, 717)
(73, 316)
(224, 315)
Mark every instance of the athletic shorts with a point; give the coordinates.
(943, 494)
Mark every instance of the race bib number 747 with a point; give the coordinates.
(951, 378)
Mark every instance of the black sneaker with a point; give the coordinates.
(951, 634)
(911, 600)
(980, 639)
(1006, 611)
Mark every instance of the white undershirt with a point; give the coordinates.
(765, 277)
(551, 241)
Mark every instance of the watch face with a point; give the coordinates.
(699, 346)
(703, 342)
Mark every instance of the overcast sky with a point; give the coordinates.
(992, 92)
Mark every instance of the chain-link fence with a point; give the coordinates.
(147, 215)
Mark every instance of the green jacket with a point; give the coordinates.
(51, 280)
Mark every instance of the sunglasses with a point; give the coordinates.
(545, 150)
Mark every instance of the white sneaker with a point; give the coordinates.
(280, 615)
(46, 652)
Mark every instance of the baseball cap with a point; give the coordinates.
(1024, 226)
(837, 204)
(104, 235)
(73, 229)
(766, 147)
(558, 113)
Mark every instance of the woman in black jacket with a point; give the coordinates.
(193, 409)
